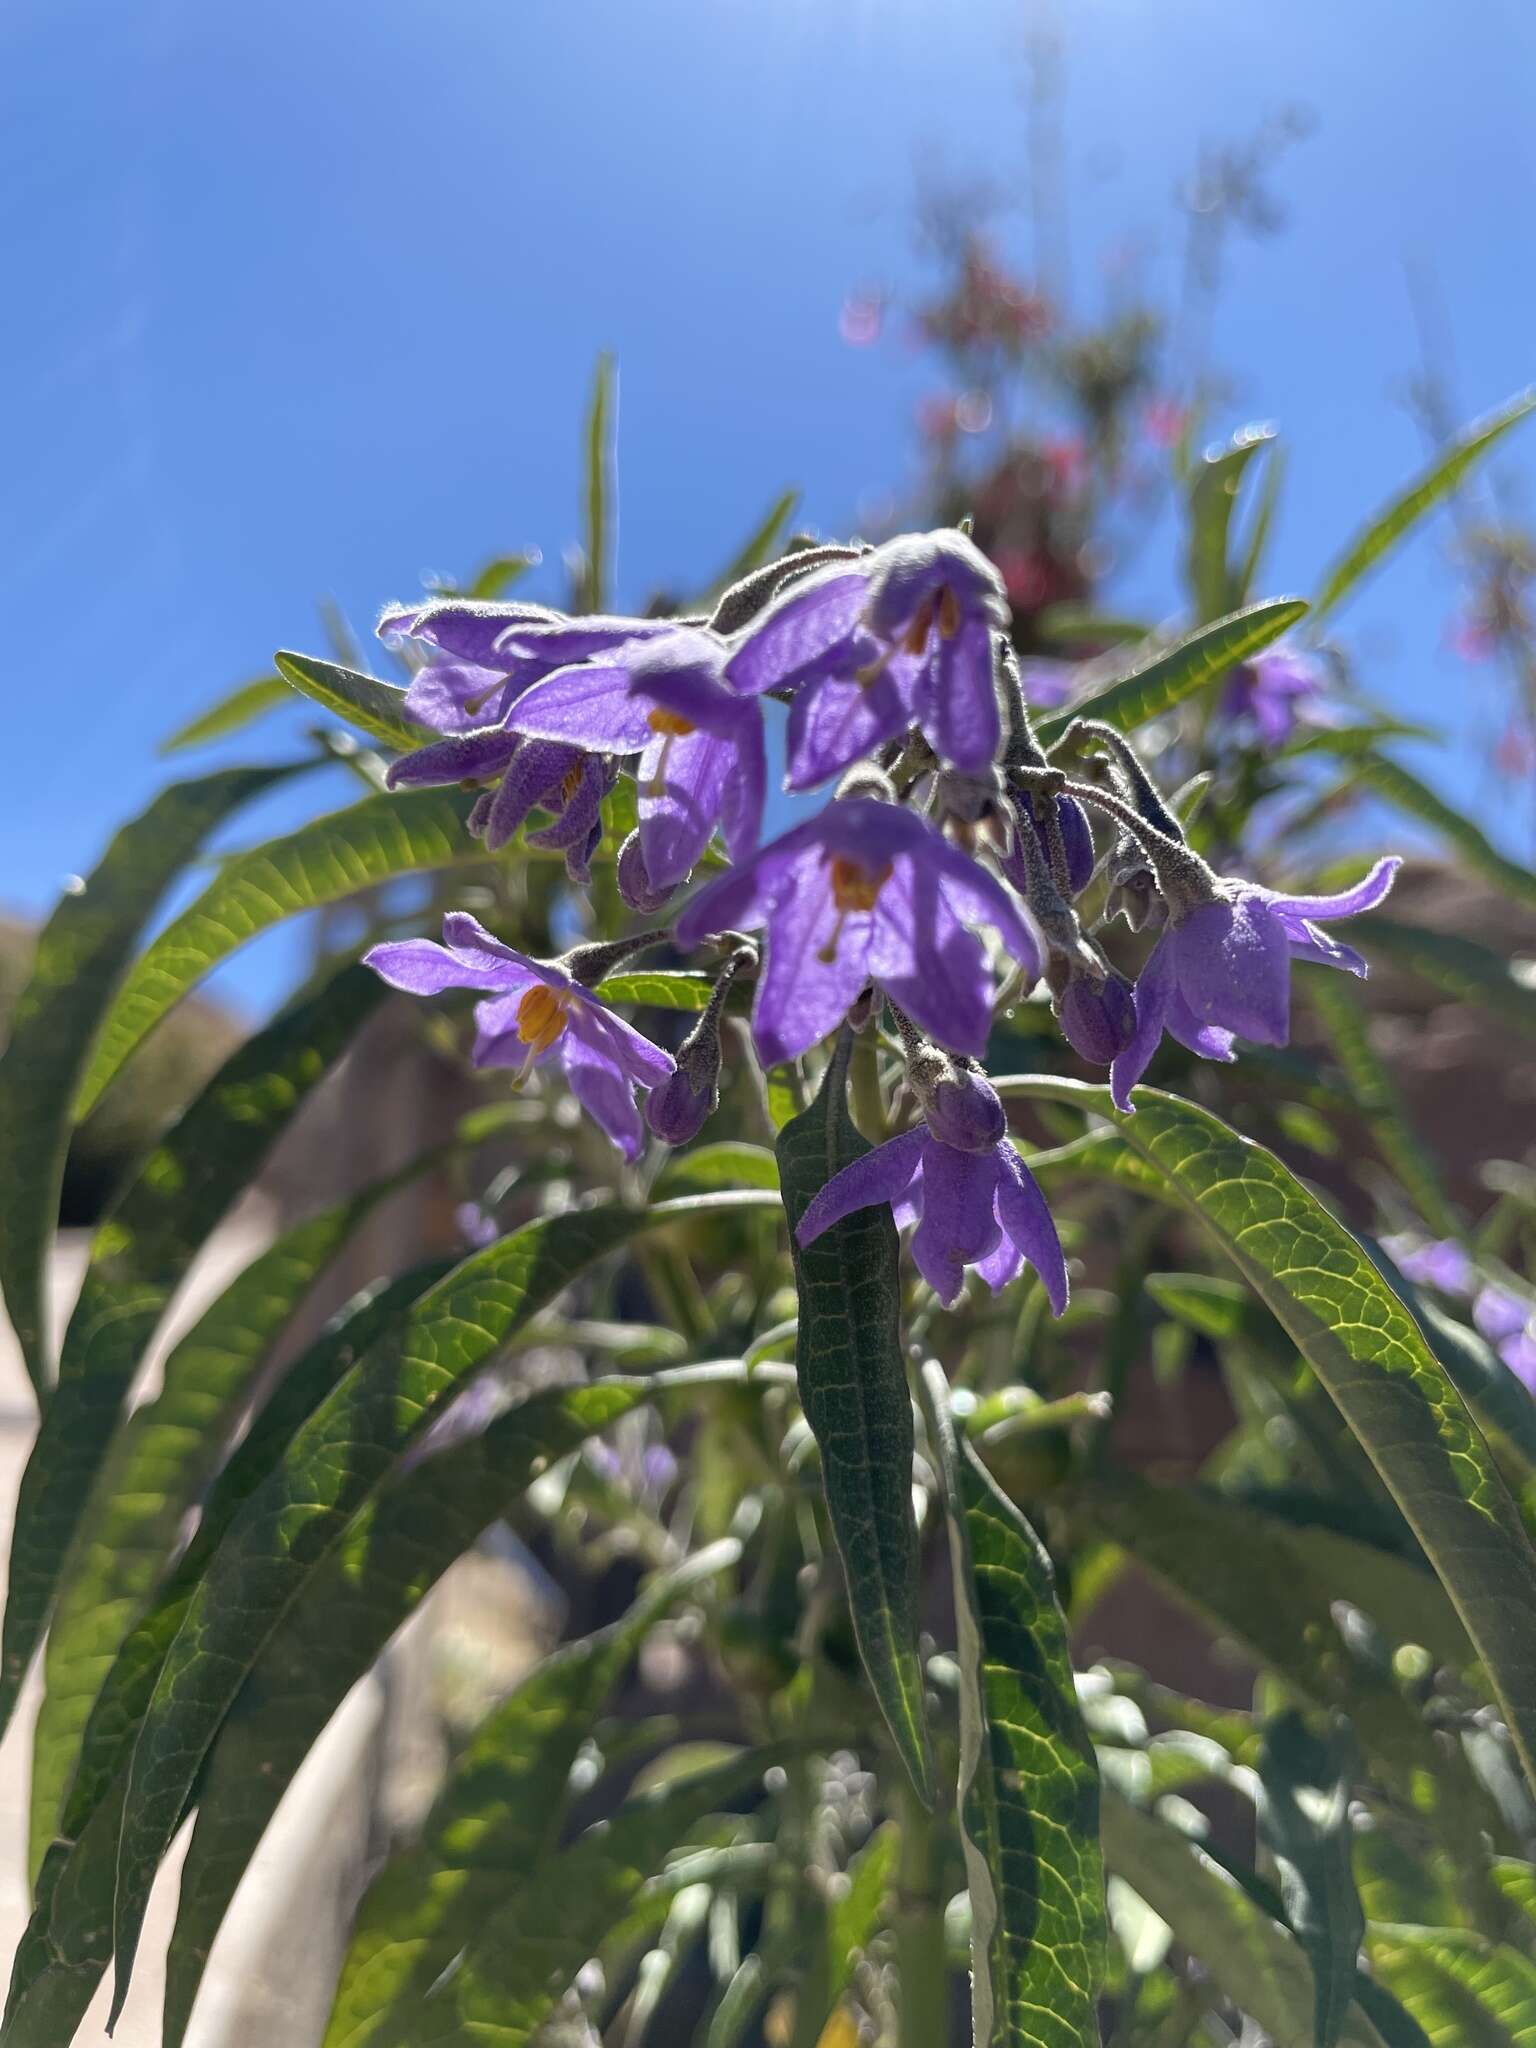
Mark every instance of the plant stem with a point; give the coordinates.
(919, 1928)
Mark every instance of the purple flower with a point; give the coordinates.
(978, 1208)
(475, 1225)
(1276, 691)
(534, 1013)
(700, 742)
(1097, 1018)
(1500, 1314)
(901, 636)
(1519, 1354)
(1076, 841)
(1048, 684)
(1223, 969)
(1443, 1264)
(864, 893)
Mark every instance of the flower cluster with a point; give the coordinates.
(952, 855)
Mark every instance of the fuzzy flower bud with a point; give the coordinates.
(634, 880)
(679, 1109)
(1098, 1020)
(959, 1103)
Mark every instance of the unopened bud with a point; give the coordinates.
(679, 1108)
(634, 879)
(961, 1106)
(1097, 1020)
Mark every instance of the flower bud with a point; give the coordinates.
(635, 885)
(1097, 1020)
(961, 1106)
(679, 1108)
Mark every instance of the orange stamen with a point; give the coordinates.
(669, 722)
(854, 888)
(949, 614)
(541, 1020)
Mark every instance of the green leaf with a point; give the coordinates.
(242, 707)
(330, 1471)
(1216, 1308)
(375, 708)
(1500, 1401)
(853, 1390)
(497, 576)
(139, 1258)
(1371, 1356)
(729, 1164)
(1403, 512)
(1029, 1786)
(1257, 1962)
(1218, 477)
(527, 1953)
(1379, 1101)
(599, 491)
(81, 954)
(325, 861)
(659, 988)
(1174, 673)
(1461, 967)
(155, 1471)
(759, 545)
(496, 1819)
(1304, 1816)
(1259, 532)
(1464, 1992)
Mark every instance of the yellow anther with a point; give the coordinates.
(949, 614)
(668, 722)
(854, 887)
(541, 1017)
(571, 781)
(917, 632)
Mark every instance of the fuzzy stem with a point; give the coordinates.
(919, 1928)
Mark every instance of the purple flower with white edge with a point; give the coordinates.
(974, 1203)
(900, 636)
(700, 742)
(1276, 691)
(1222, 969)
(534, 1013)
(865, 893)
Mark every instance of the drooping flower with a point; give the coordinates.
(864, 893)
(1275, 691)
(534, 1013)
(1222, 970)
(700, 742)
(901, 636)
(973, 1199)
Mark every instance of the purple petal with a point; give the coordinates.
(468, 940)
(970, 892)
(455, 696)
(929, 963)
(539, 768)
(591, 705)
(603, 1090)
(1232, 961)
(883, 1175)
(746, 791)
(812, 972)
(1365, 895)
(677, 820)
(959, 1224)
(558, 641)
(1519, 1354)
(629, 1049)
(1002, 1265)
(832, 722)
(1154, 990)
(1308, 943)
(957, 706)
(906, 573)
(1210, 1041)
(472, 629)
(423, 968)
(741, 900)
(1024, 1215)
(798, 630)
(581, 810)
(466, 757)
(1499, 1314)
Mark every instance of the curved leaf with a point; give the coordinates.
(242, 707)
(497, 576)
(1168, 677)
(1256, 1961)
(332, 1468)
(375, 708)
(1029, 1785)
(81, 954)
(140, 1256)
(1464, 1993)
(759, 545)
(728, 1164)
(325, 861)
(496, 1818)
(1304, 1815)
(659, 988)
(598, 493)
(1213, 493)
(1367, 1350)
(853, 1390)
(1404, 511)
(155, 1469)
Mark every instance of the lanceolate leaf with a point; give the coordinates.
(1377, 1099)
(125, 1694)
(853, 1390)
(80, 957)
(139, 1258)
(330, 1471)
(1304, 1814)
(1029, 1786)
(1404, 511)
(1461, 967)
(1256, 1961)
(728, 1164)
(1464, 1992)
(242, 707)
(497, 576)
(375, 708)
(759, 545)
(513, 1974)
(1373, 1359)
(155, 1471)
(599, 490)
(323, 862)
(495, 1820)
(661, 989)
(1218, 478)
(1167, 678)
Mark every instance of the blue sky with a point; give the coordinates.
(305, 299)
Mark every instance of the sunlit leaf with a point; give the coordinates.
(81, 954)
(373, 707)
(853, 1390)
(599, 487)
(659, 988)
(242, 707)
(1464, 1993)
(759, 545)
(1304, 1815)
(496, 577)
(1214, 486)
